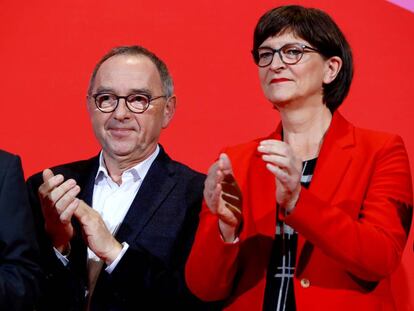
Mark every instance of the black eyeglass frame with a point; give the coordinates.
(278, 51)
(148, 97)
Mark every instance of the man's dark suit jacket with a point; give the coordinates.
(19, 268)
(159, 228)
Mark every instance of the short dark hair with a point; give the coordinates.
(319, 29)
(135, 50)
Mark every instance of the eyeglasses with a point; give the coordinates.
(136, 103)
(290, 54)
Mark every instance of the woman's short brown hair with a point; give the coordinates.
(317, 28)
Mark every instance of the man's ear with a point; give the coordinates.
(169, 111)
(333, 66)
(89, 106)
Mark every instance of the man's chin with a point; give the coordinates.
(119, 152)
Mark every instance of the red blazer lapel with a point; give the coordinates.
(333, 161)
(334, 158)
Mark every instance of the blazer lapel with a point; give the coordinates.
(334, 158)
(333, 162)
(157, 184)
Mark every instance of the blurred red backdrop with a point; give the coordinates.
(49, 48)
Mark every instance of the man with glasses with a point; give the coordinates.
(128, 251)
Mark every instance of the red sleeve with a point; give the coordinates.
(212, 263)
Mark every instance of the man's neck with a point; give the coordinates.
(116, 165)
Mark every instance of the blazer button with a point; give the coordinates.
(305, 283)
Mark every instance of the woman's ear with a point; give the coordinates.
(333, 66)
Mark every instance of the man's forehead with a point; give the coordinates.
(135, 62)
(127, 70)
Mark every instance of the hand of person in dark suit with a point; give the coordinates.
(97, 236)
(287, 168)
(224, 198)
(59, 202)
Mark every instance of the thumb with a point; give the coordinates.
(82, 211)
(225, 164)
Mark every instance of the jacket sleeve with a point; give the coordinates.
(212, 264)
(62, 287)
(19, 262)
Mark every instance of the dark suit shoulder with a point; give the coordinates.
(186, 170)
(76, 170)
(6, 158)
(183, 172)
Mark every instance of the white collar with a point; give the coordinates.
(138, 171)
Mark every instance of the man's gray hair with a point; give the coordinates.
(135, 50)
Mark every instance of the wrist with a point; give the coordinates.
(229, 233)
(289, 206)
(113, 253)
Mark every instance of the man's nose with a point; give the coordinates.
(121, 111)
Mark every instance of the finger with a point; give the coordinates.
(58, 192)
(49, 184)
(236, 211)
(67, 199)
(272, 142)
(225, 164)
(277, 149)
(213, 168)
(282, 176)
(277, 160)
(66, 216)
(83, 210)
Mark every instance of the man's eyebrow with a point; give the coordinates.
(141, 91)
(102, 89)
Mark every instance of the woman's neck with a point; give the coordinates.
(304, 129)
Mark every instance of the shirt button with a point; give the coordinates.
(305, 283)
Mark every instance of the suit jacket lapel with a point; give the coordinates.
(87, 182)
(157, 184)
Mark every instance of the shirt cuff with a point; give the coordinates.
(64, 259)
(113, 265)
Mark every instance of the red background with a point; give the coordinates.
(49, 48)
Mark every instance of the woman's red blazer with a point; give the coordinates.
(352, 223)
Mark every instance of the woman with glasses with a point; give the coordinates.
(314, 216)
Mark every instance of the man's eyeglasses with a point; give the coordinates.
(136, 103)
(290, 54)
